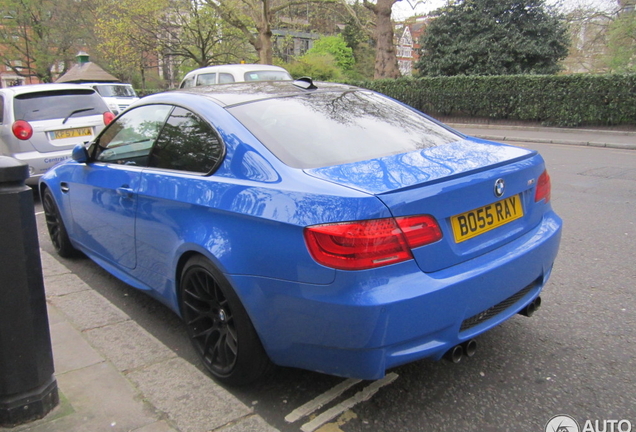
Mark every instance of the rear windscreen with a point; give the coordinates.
(58, 104)
(324, 129)
(266, 76)
(113, 90)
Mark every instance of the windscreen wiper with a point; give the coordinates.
(75, 112)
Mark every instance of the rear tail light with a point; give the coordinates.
(544, 187)
(371, 243)
(108, 117)
(22, 130)
(419, 230)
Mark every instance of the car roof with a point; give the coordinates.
(106, 83)
(34, 88)
(236, 68)
(238, 93)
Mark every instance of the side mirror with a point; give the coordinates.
(80, 154)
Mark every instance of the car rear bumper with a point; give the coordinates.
(39, 163)
(367, 322)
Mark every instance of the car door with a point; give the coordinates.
(175, 193)
(104, 195)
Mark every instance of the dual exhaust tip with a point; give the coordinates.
(455, 354)
(469, 347)
(531, 308)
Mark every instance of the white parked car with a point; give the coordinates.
(117, 96)
(223, 74)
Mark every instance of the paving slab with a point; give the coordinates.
(88, 310)
(128, 346)
(190, 399)
(76, 354)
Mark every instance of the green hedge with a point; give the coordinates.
(552, 100)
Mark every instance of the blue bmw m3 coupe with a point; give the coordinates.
(311, 225)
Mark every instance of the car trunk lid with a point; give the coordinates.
(455, 183)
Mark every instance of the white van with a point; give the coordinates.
(117, 96)
(234, 73)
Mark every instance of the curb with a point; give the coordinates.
(602, 138)
(556, 141)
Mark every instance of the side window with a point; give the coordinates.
(225, 78)
(206, 79)
(187, 143)
(128, 140)
(1, 109)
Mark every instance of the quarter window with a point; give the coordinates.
(188, 82)
(187, 143)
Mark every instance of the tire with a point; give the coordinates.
(57, 230)
(218, 326)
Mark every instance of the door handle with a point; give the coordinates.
(125, 191)
(64, 187)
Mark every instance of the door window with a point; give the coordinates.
(206, 79)
(226, 78)
(129, 139)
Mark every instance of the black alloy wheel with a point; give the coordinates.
(55, 225)
(218, 325)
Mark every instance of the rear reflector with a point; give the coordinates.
(370, 243)
(544, 187)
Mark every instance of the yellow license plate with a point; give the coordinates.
(72, 133)
(475, 222)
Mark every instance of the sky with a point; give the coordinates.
(403, 9)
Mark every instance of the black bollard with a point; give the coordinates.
(28, 390)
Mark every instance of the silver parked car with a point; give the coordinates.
(40, 124)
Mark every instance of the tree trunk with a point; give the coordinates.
(264, 48)
(385, 58)
(265, 53)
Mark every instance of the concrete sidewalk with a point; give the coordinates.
(572, 136)
(113, 375)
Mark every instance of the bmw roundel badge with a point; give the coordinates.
(500, 185)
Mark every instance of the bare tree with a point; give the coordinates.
(193, 31)
(254, 18)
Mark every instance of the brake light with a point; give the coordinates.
(419, 230)
(544, 187)
(371, 243)
(108, 117)
(22, 130)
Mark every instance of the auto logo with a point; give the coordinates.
(500, 185)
